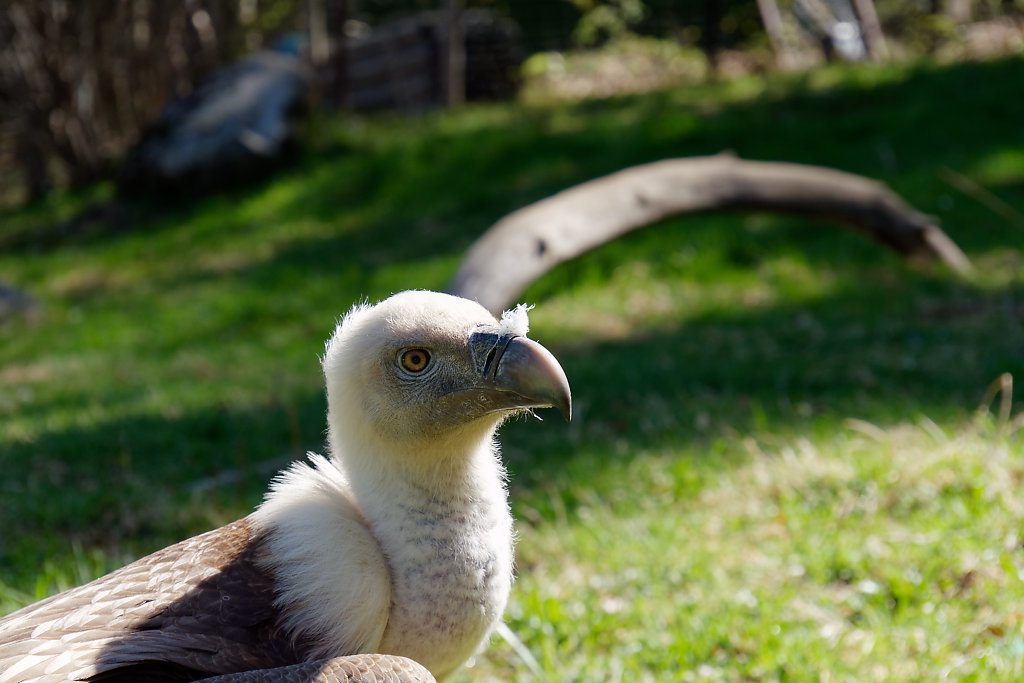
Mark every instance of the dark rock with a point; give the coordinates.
(14, 302)
(237, 125)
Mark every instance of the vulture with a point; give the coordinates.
(388, 560)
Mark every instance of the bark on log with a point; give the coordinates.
(527, 243)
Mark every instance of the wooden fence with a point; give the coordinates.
(403, 64)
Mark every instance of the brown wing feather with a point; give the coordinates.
(198, 608)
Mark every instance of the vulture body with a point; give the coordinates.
(399, 543)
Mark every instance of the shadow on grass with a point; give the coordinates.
(144, 482)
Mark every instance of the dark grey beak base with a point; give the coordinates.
(520, 373)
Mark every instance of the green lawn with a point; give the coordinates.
(777, 468)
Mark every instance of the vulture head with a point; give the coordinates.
(433, 370)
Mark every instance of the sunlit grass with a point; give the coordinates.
(889, 554)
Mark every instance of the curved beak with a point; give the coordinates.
(517, 372)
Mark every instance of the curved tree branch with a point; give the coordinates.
(527, 243)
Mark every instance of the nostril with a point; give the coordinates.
(495, 354)
(490, 359)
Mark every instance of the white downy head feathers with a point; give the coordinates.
(516, 321)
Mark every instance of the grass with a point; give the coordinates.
(777, 469)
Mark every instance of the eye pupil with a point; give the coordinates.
(415, 360)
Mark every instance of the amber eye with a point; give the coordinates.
(415, 361)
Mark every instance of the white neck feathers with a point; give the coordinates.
(369, 562)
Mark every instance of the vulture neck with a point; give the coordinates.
(452, 466)
(400, 552)
(441, 517)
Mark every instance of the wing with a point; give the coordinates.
(194, 609)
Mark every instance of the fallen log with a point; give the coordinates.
(528, 242)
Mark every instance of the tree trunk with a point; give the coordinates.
(711, 36)
(338, 40)
(957, 10)
(319, 38)
(872, 28)
(772, 20)
(527, 243)
(30, 155)
(455, 59)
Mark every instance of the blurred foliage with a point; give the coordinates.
(606, 19)
(627, 64)
(79, 81)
